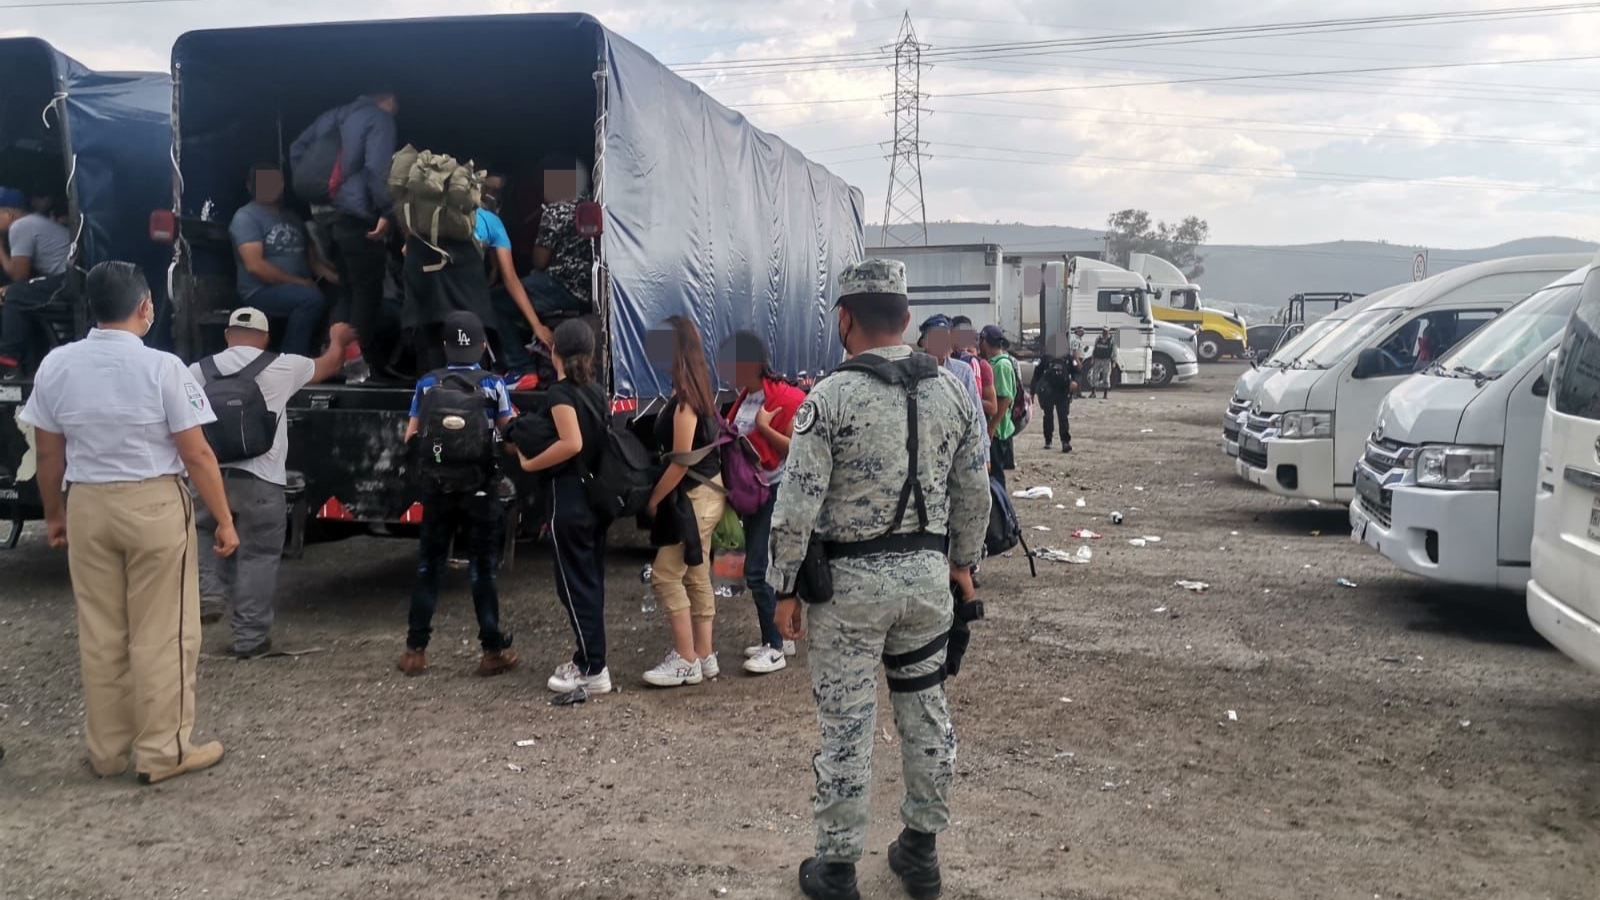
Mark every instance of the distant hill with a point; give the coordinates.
(1261, 275)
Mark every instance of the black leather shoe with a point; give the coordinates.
(828, 881)
(912, 857)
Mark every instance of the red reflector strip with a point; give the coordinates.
(333, 509)
(625, 405)
(413, 515)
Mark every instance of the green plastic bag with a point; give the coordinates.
(729, 534)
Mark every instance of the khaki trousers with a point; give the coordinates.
(677, 586)
(132, 551)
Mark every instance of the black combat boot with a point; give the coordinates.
(912, 857)
(828, 881)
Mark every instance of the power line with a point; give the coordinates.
(1223, 79)
(1257, 172)
(1164, 38)
(63, 4)
(1303, 129)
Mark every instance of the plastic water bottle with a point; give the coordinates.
(356, 370)
(648, 605)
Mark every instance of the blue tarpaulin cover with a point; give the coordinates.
(116, 146)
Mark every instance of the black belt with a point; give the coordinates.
(240, 474)
(889, 543)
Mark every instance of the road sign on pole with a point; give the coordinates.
(1419, 266)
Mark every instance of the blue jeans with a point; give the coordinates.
(303, 306)
(757, 555)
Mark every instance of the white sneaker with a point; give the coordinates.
(569, 677)
(766, 662)
(757, 650)
(709, 667)
(675, 672)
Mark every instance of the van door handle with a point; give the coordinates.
(1583, 478)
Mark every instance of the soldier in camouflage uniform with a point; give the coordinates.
(849, 480)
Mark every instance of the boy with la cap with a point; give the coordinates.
(459, 495)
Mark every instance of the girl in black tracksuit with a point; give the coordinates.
(578, 409)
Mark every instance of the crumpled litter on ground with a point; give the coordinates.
(1083, 557)
(1137, 542)
(1082, 503)
(1345, 583)
(1035, 493)
(1042, 528)
(1233, 716)
(1197, 587)
(1084, 534)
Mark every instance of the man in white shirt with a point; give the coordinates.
(121, 423)
(255, 486)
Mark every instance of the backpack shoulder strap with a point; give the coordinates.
(256, 366)
(208, 368)
(907, 373)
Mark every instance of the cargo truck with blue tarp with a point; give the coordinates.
(688, 208)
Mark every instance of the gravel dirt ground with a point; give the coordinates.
(1276, 737)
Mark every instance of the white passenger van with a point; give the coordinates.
(1295, 339)
(1564, 592)
(1445, 489)
(1309, 424)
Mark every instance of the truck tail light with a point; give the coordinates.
(590, 219)
(163, 226)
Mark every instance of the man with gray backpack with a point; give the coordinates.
(249, 389)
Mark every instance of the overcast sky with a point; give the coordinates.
(1450, 157)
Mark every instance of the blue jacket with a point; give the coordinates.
(367, 143)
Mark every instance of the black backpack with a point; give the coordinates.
(625, 476)
(456, 441)
(1005, 529)
(318, 173)
(245, 427)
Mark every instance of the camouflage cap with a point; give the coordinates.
(873, 277)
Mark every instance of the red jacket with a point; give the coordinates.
(783, 400)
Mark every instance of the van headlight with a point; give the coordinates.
(1458, 468)
(1306, 425)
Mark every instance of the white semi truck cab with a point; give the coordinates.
(1445, 488)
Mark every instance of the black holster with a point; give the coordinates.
(814, 582)
(966, 612)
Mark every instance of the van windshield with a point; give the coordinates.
(1515, 335)
(1292, 348)
(1346, 337)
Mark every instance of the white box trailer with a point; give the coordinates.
(957, 280)
(1096, 296)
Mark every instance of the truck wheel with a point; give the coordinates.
(1161, 370)
(1210, 346)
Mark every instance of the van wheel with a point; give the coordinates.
(1210, 346)
(1161, 370)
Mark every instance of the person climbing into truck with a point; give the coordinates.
(35, 259)
(340, 165)
(444, 257)
(277, 266)
(457, 416)
(563, 262)
(514, 312)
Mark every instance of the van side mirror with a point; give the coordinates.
(1370, 364)
(1541, 388)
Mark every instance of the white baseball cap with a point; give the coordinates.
(249, 317)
